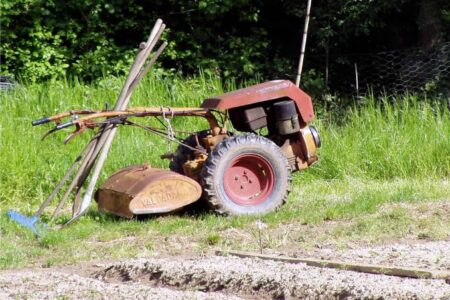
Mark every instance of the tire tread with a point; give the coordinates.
(209, 170)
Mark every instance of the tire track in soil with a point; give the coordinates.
(258, 279)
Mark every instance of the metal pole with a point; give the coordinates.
(122, 102)
(356, 81)
(302, 51)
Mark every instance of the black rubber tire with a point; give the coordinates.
(213, 172)
(183, 153)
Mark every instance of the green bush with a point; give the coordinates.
(91, 39)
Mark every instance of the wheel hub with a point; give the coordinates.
(249, 179)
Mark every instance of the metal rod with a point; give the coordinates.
(143, 70)
(59, 185)
(152, 130)
(122, 99)
(91, 147)
(356, 81)
(91, 161)
(302, 51)
(84, 173)
(135, 70)
(110, 130)
(137, 65)
(95, 174)
(150, 64)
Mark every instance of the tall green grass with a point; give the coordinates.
(403, 137)
(384, 155)
(29, 168)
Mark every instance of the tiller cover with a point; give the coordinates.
(141, 189)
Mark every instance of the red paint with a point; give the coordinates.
(262, 92)
(249, 179)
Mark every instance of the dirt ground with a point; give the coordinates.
(218, 277)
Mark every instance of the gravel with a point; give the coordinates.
(215, 277)
(269, 279)
(428, 255)
(41, 284)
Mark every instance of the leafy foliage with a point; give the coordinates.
(241, 38)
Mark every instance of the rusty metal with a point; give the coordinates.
(141, 189)
(192, 168)
(211, 141)
(99, 118)
(309, 145)
(95, 152)
(260, 93)
(137, 70)
(301, 149)
(104, 113)
(293, 150)
(144, 190)
(57, 118)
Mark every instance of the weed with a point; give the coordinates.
(381, 155)
(212, 239)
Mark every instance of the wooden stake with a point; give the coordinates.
(302, 51)
(364, 268)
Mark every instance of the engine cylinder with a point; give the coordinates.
(286, 117)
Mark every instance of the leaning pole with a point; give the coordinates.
(302, 51)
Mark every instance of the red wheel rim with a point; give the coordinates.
(249, 179)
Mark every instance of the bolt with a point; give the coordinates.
(245, 172)
(242, 187)
(249, 181)
(236, 178)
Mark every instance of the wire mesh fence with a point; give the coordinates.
(412, 70)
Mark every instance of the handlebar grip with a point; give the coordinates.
(64, 125)
(41, 121)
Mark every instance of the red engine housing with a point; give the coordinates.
(267, 91)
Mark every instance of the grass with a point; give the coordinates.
(383, 175)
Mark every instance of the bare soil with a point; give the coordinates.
(215, 277)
